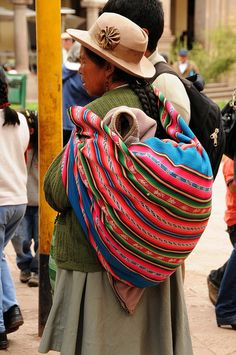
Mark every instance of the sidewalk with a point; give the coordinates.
(212, 251)
(25, 341)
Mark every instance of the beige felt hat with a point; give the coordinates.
(119, 41)
(65, 35)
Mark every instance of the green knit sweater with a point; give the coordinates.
(72, 251)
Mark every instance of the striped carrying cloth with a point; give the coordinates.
(142, 207)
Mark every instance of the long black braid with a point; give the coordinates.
(149, 102)
(10, 115)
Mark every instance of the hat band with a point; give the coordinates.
(120, 51)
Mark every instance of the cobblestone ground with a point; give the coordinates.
(211, 251)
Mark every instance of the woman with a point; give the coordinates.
(14, 133)
(86, 317)
(27, 232)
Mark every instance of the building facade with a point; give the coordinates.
(191, 19)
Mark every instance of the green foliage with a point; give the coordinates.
(32, 106)
(219, 59)
(221, 104)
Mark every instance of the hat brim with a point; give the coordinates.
(65, 35)
(144, 69)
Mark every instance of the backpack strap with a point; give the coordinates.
(163, 67)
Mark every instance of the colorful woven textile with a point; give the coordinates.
(142, 207)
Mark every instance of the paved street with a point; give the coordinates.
(212, 250)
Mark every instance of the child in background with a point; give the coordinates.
(27, 231)
(14, 141)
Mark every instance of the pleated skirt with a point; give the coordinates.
(87, 319)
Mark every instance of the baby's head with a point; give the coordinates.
(32, 120)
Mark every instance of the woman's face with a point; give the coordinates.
(94, 77)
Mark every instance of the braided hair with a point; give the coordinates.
(149, 102)
(146, 95)
(10, 115)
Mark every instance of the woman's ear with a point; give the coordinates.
(109, 68)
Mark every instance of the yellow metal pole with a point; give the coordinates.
(49, 66)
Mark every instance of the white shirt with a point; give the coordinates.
(183, 67)
(14, 141)
(173, 89)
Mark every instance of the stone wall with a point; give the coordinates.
(210, 14)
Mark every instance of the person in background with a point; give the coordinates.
(73, 92)
(214, 280)
(27, 232)
(149, 15)
(215, 277)
(14, 140)
(66, 43)
(225, 308)
(183, 66)
(86, 316)
(9, 67)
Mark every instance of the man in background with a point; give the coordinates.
(73, 92)
(66, 42)
(183, 66)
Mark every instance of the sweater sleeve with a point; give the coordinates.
(54, 190)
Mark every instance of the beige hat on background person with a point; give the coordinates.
(65, 35)
(119, 41)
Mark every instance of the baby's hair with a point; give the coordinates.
(32, 120)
